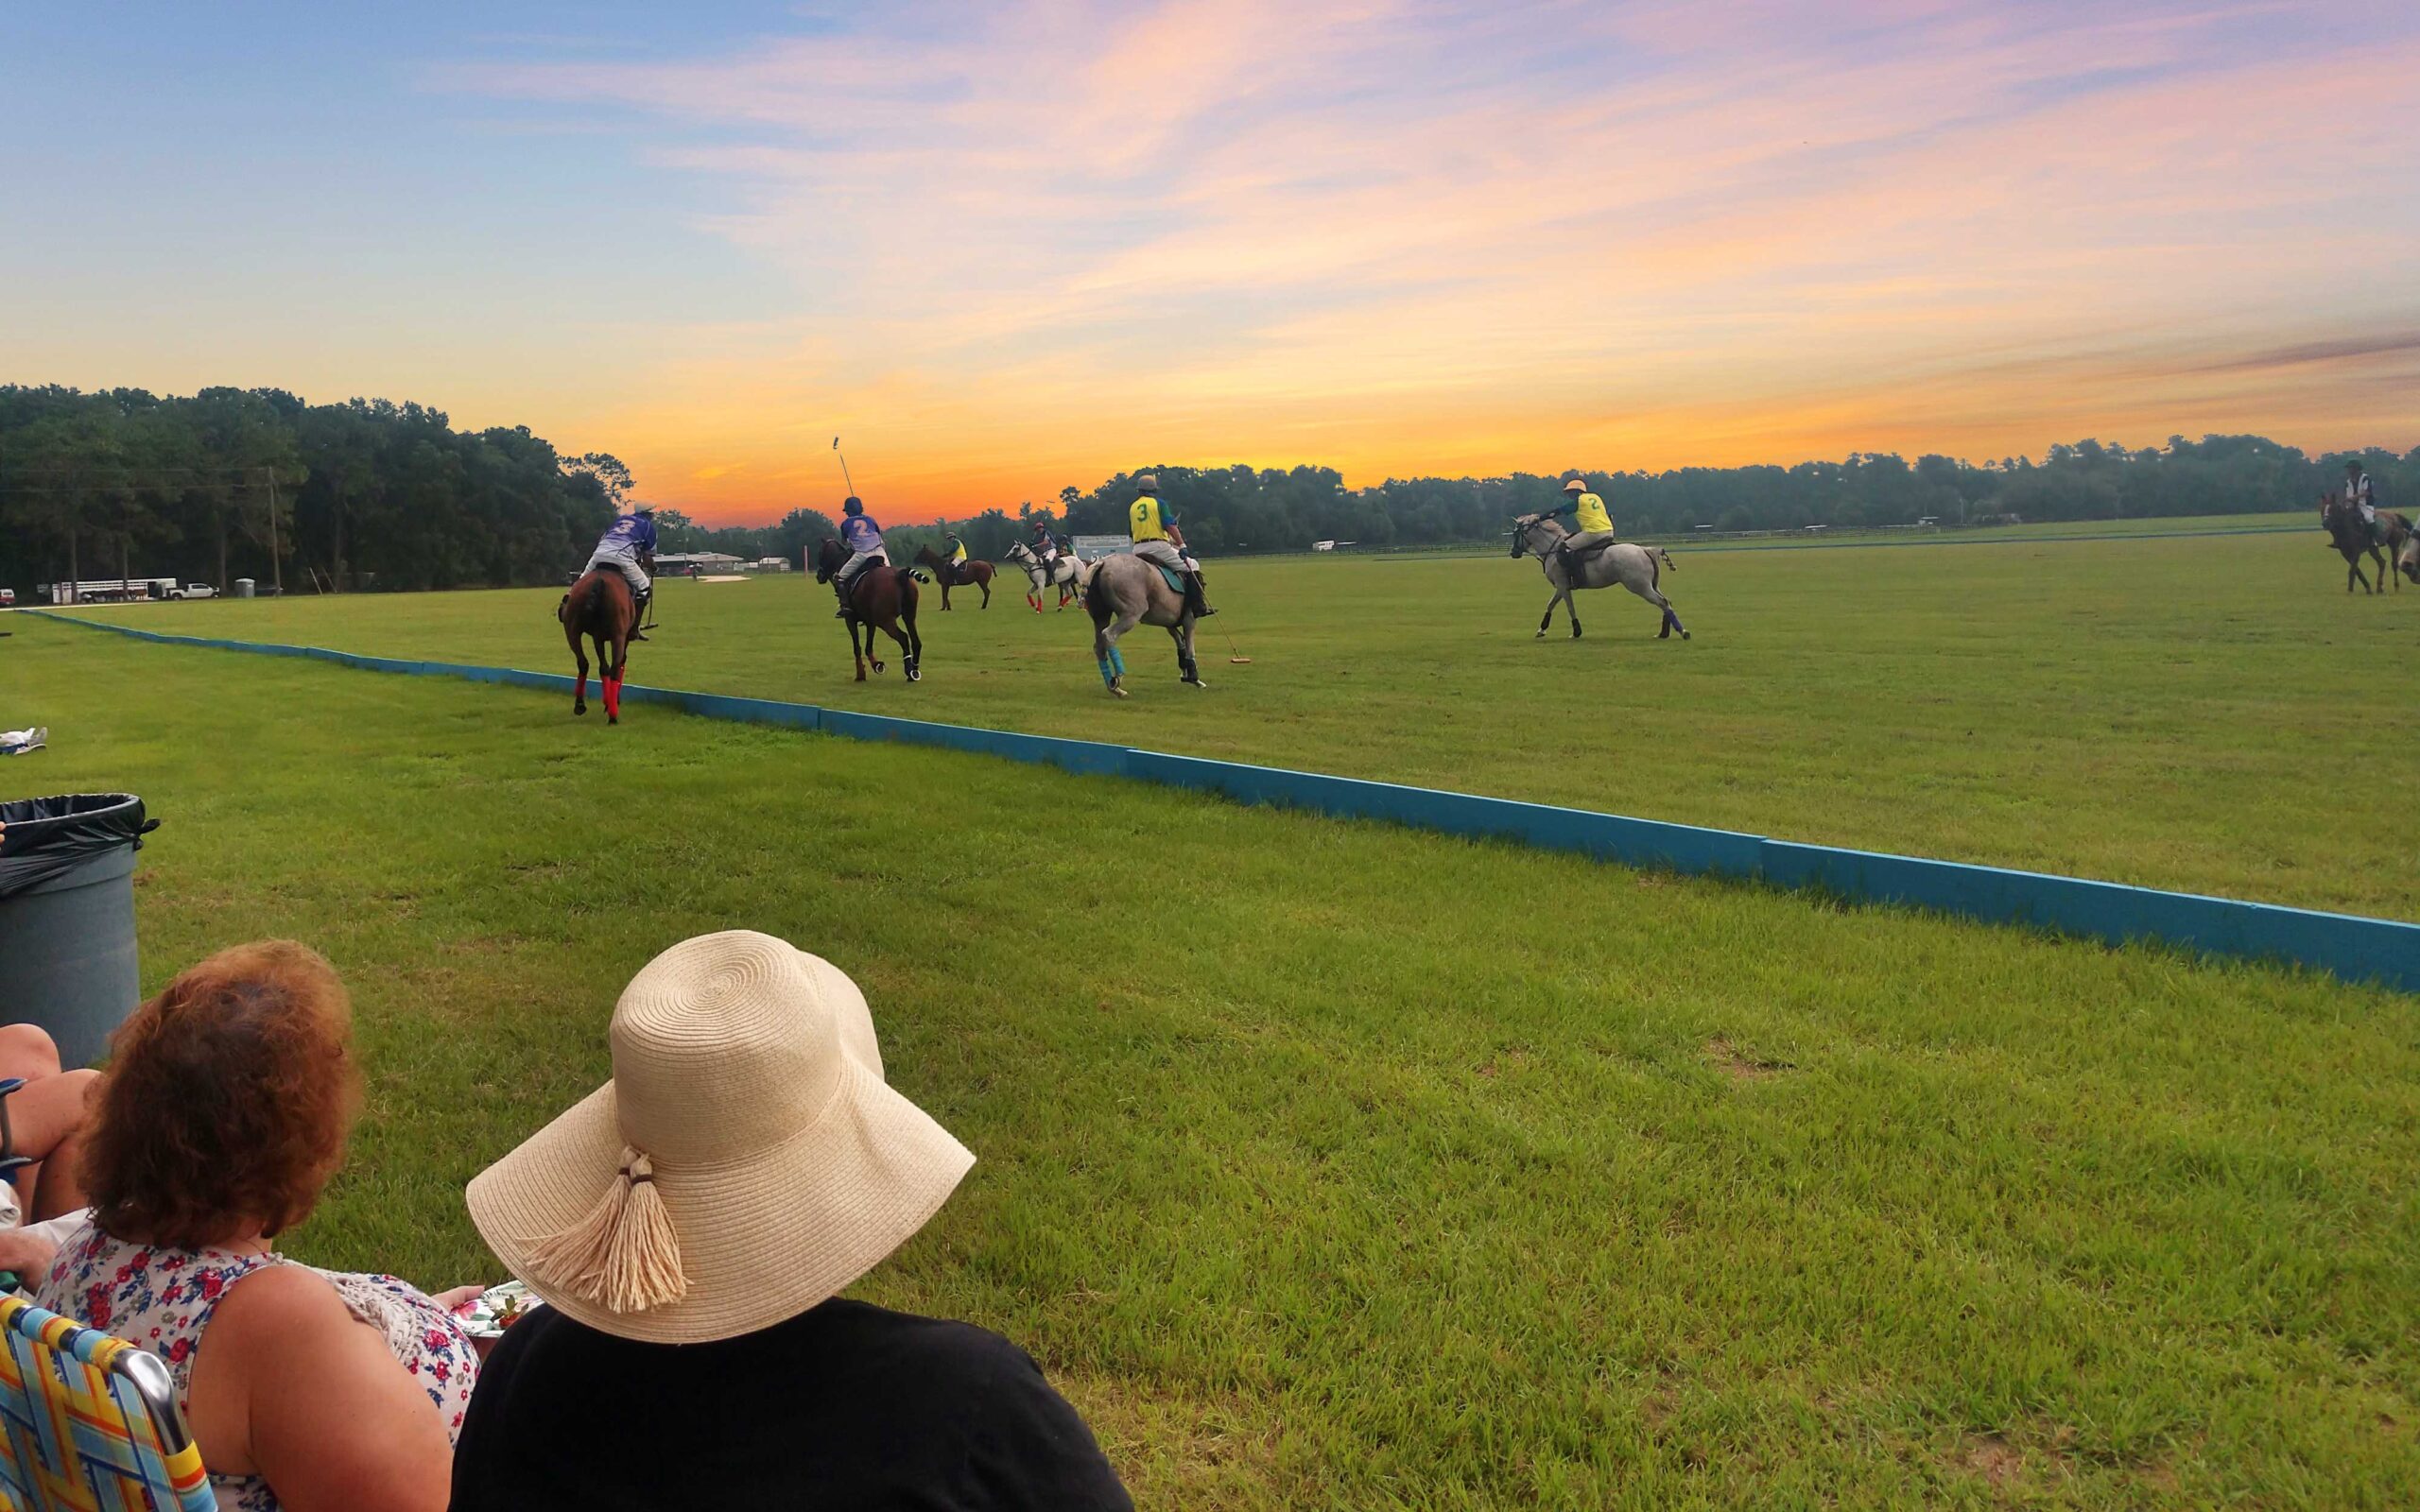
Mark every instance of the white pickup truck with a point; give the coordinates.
(194, 590)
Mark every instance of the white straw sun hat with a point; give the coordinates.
(746, 1162)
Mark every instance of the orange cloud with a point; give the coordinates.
(1048, 243)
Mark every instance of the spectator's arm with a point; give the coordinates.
(1027, 1447)
(323, 1412)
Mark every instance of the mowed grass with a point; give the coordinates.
(1335, 1166)
(2212, 715)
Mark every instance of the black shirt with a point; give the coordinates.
(844, 1406)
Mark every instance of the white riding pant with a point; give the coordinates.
(625, 564)
(858, 562)
(1165, 554)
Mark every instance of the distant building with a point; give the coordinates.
(769, 564)
(677, 563)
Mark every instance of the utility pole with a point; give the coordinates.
(276, 567)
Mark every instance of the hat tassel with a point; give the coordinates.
(623, 1255)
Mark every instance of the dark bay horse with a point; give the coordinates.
(975, 574)
(600, 608)
(883, 598)
(2352, 538)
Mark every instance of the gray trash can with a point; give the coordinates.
(67, 956)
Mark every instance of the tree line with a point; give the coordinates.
(370, 494)
(255, 483)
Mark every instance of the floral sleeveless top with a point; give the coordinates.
(161, 1300)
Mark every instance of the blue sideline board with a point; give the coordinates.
(2356, 949)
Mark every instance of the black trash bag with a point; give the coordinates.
(49, 836)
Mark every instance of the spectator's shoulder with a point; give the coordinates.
(949, 1349)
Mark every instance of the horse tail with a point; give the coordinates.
(586, 602)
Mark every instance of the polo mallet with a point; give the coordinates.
(1236, 655)
(844, 466)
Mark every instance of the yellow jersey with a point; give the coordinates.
(1588, 513)
(1150, 522)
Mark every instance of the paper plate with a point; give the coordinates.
(488, 1314)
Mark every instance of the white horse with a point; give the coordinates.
(1063, 572)
(1632, 567)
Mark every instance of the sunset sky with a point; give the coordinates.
(1000, 248)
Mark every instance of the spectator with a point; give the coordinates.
(692, 1223)
(223, 1112)
(43, 1122)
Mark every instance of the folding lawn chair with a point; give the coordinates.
(89, 1423)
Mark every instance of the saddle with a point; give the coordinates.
(1172, 577)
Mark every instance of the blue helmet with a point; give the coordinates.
(853, 504)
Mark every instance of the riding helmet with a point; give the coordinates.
(1147, 482)
(853, 504)
(1575, 486)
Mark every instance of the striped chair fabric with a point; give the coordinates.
(89, 1423)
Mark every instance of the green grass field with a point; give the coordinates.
(1334, 1165)
(2210, 713)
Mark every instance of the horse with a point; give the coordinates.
(2351, 537)
(1067, 572)
(1124, 591)
(884, 598)
(599, 606)
(1633, 567)
(974, 574)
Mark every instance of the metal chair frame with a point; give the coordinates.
(72, 1440)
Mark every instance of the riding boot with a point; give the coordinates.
(1194, 601)
(638, 616)
(841, 590)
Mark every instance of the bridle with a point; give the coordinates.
(1520, 534)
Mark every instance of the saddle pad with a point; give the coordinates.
(1176, 583)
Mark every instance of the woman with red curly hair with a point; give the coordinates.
(223, 1112)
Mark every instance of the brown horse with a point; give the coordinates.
(2352, 538)
(974, 574)
(882, 598)
(600, 608)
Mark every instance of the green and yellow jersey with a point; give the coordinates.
(1150, 519)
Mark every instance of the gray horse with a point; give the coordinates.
(1124, 591)
(1066, 573)
(1632, 567)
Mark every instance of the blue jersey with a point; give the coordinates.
(633, 534)
(860, 533)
